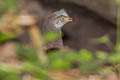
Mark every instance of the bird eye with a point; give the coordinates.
(62, 18)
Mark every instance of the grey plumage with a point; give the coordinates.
(53, 24)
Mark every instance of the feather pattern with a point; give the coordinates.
(50, 25)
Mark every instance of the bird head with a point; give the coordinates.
(61, 18)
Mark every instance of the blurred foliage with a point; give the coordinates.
(101, 55)
(103, 40)
(118, 1)
(51, 36)
(26, 54)
(9, 73)
(62, 60)
(38, 71)
(5, 37)
(87, 62)
(9, 5)
(85, 56)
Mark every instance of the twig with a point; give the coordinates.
(37, 42)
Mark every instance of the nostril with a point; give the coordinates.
(70, 19)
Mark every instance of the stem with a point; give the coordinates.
(37, 42)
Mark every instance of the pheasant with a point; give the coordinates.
(54, 23)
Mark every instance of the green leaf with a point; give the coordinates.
(60, 64)
(9, 73)
(114, 58)
(71, 56)
(106, 70)
(9, 5)
(36, 71)
(26, 54)
(85, 55)
(90, 66)
(5, 37)
(57, 60)
(104, 39)
(51, 36)
(102, 55)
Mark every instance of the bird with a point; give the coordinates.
(54, 23)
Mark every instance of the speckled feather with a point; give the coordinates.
(49, 26)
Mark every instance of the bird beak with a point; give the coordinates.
(68, 19)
